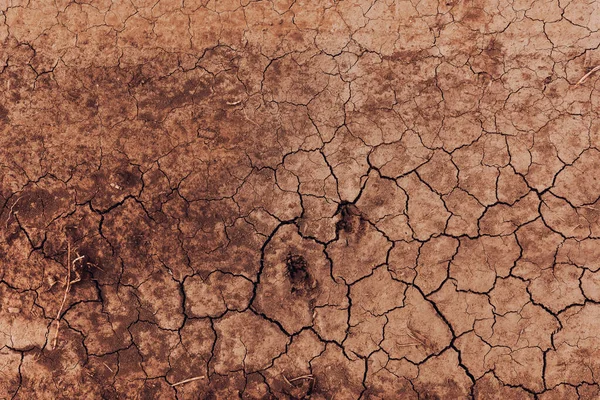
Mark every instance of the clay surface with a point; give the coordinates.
(335, 199)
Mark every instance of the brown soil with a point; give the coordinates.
(299, 200)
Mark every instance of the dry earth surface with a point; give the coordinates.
(338, 199)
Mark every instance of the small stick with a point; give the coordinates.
(583, 78)
(95, 266)
(302, 377)
(187, 380)
(286, 379)
(109, 368)
(233, 103)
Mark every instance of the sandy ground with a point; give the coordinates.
(299, 200)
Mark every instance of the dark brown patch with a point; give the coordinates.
(347, 222)
(3, 114)
(137, 78)
(297, 270)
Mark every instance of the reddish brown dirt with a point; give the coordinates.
(299, 200)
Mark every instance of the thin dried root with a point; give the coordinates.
(286, 379)
(583, 78)
(10, 212)
(89, 264)
(187, 380)
(302, 377)
(68, 283)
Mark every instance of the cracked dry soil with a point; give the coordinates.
(299, 200)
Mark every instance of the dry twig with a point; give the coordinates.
(301, 377)
(286, 379)
(583, 78)
(187, 380)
